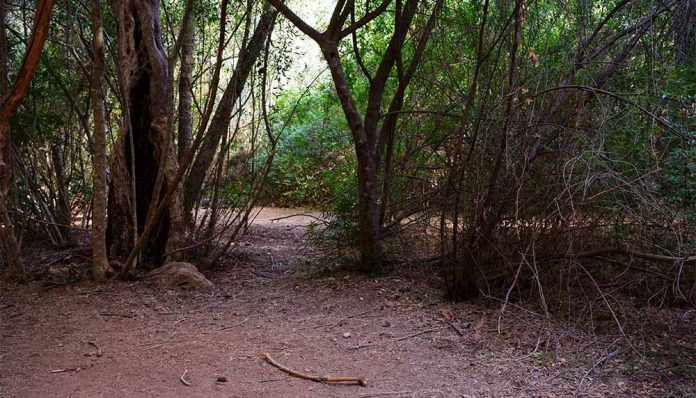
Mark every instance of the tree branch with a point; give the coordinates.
(297, 21)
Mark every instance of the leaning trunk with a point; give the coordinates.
(8, 107)
(223, 113)
(144, 159)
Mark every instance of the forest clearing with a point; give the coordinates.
(373, 198)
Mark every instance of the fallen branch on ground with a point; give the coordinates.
(122, 315)
(453, 326)
(183, 379)
(321, 220)
(398, 338)
(320, 379)
(66, 370)
(94, 343)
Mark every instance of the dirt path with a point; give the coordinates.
(388, 330)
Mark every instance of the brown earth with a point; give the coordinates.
(396, 332)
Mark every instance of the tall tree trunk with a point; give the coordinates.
(185, 126)
(368, 210)
(223, 113)
(144, 157)
(8, 107)
(100, 261)
(364, 131)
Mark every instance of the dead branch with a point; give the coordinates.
(321, 220)
(119, 314)
(453, 326)
(623, 249)
(399, 338)
(66, 370)
(99, 350)
(320, 379)
(183, 379)
(386, 393)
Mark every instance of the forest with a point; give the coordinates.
(372, 198)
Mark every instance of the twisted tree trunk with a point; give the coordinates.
(144, 157)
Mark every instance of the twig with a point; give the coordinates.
(621, 248)
(59, 259)
(99, 351)
(602, 359)
(153, 347)
(398, 339)
(273, 380)
(183, 379)
(611, 310)
(320, 379)
(386, 393)
(453, 326)
(349, 317)
(66, 370)
(235, 325)
(299, 215)
(123, 315)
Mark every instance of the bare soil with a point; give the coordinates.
(396, 332)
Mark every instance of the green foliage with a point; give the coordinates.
(313, 163)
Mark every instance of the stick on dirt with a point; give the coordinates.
(183, 379)
(66, 370)
(122, 315)
(94, 343)
(320, 379)
(357, 347)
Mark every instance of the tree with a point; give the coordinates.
(144, 156)
(100, 261)
(185, 115)
(8, 107)
(367, 139)
(220, 122)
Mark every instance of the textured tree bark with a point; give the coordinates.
(144, 157)
(12, 99)
(8, 107)
(220, 122)
(185, 117)
(368, 211)
(100, 260)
